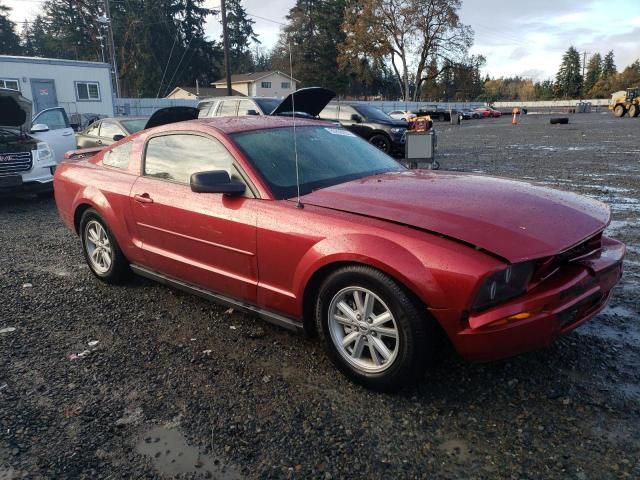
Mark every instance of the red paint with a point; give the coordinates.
(439, 234)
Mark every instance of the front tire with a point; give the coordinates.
(374, 332)
(381, 142)
(634, 110)
(101, 250)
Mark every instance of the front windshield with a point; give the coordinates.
(133, 126)
(267, 105)
(371, 113)
(326, 156)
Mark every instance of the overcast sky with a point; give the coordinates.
(517, 37)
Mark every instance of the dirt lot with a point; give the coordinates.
(179, 386)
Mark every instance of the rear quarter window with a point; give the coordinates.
(118, 157)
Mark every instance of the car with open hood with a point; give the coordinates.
(305, 102)
(305, 224)
(107, 131)
(27, 161)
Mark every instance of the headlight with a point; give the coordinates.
(44, 153)
(397, 131)
(504, 285)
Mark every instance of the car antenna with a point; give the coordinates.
(295, 139)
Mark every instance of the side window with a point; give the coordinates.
(265, 84)
(345, 113)
(175, 157)
(330, 112)
(55, 119)
(229, 108)
(118, 157)
(285, 85)
(110, 130)
(203, 108)
(245, 105)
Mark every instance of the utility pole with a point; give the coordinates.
(584, 66)
(112, 47)
(225, 43)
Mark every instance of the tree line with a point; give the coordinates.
(392, 49)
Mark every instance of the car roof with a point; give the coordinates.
(230, 125)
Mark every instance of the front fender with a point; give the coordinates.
(387, 256)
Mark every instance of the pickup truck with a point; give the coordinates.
(30, 148)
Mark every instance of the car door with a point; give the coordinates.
(204, 239)
(108, 130)
(89, 138)
(359, 128)
(60, 136)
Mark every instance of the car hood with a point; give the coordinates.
(15, 110)
(310, 100)
(513, 220)
(168, 115)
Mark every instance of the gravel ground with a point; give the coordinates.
(179, 386)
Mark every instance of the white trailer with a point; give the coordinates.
(79, 87)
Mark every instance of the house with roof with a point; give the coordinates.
(196, 93)
(273, 83)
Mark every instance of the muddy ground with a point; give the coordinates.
(177, 386)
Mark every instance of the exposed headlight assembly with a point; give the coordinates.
(504, 285)
(397, 131)
(44, 153)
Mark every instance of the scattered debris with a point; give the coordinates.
(232, 327)
(78, 356)
(257, 332)
(3, 386)
(229, 312)
(93, 343)
(207, 352)
(7, 330)
(266, 379)
(72, 412)
(27, 285)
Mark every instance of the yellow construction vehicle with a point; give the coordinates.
(625, 101)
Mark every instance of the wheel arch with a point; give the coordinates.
(403, 267)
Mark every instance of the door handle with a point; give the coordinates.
(143, 198)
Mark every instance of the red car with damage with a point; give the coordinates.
(381, 261)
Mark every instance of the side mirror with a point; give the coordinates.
(216, 181)
(39, 128)
(117, 138)
(252, 112)
(356, 118)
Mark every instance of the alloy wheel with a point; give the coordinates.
(363, 329)
(98, 246)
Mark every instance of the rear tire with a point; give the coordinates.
(634, 110)
(559, 121)
(619, 111)
(101, 250)
(374, 332)
(381, 142)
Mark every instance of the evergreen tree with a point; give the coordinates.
(314, 31)
(9, 39)
(609, 65)
(241, 34)
(594, 70)
(569, 79)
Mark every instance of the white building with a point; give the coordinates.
(260, 84)
(79, 87)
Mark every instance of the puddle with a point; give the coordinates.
(171, 455)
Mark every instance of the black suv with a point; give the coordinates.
(370, 123)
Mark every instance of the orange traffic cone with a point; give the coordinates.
(515, 116)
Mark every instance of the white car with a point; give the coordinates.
(30, 149)
(402, 115)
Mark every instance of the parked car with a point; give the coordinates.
(405, 115)
(370, 123)
(80, 121)
(30, 152)
(488, 112)
(308, 103)
(380, 260)
(109, 130)
(470, 114)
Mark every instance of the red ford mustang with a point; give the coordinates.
(380, 260)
